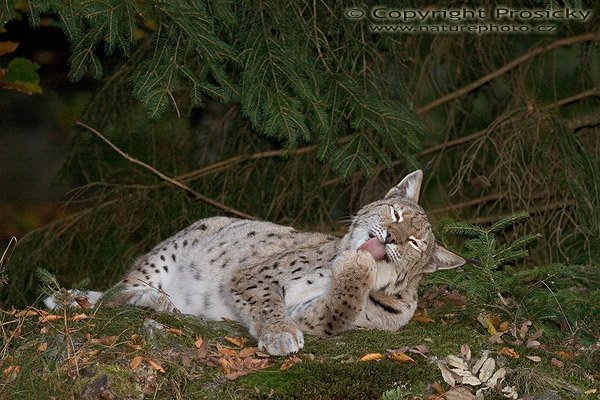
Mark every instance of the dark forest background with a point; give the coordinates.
(298, 114)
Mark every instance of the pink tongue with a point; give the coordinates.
(375, 247)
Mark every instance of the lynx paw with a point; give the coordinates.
(281, 340)
(359, 265)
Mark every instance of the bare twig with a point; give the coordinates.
(166, 178)
(592, 36)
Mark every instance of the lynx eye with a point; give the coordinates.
(396, 216)
(414, 243)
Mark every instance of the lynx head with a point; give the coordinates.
(395, 230)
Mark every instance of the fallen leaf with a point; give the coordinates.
(487, 369)
(135, 362)
(239, 341)
(25, 313)
(510, 392)
(508, 352)
(198, 342)
(156, 366)
(42, 347)
(481, 361)
(401, 357)
(465, 351)
(371, 357)
(8, 47)
(290, 362)
(175, 331)
(422, 318)
(248, 351)
(534, 358)
(438, 388)
(78, 317)
(11, 372)
(49, 318)
(590, 391)
(447, 375)
(486, 320)
(83, 302)
(498, 376)
(504, 326)
(524, 329)
(457, 362)
(105, 341)
(565, 355)
(557, 363)
(226, 351)
(459, 393)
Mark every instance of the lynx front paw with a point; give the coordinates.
(359, 265)
(281, 340)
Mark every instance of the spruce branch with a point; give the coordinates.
(166, 178)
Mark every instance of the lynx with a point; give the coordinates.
(281, 283)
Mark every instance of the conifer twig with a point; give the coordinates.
(166, 178)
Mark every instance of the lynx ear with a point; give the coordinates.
(442, 258)
(409, 188)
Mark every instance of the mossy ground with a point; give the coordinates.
(94, 360)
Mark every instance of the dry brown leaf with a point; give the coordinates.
(504, 326)
(239, 341)
(132, 346)
(156, 366)
(371, 357)
(460, 393)
(438, 388)
(401, 357)
(422, 318)
(42, 347)
(175, 331)
(49, 317)
(557, 363)
(565, 355)
(226, 351)
(508, 352)
(198, 342)
(524, 329)
(135, 362)
(7, 47)
(78, 317)
(83, 302)
(289, 362)
(11, 372)
(534, 358)
(28, 312)
(106, 341)
(248, 351)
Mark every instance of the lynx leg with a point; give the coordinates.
(353, 278)
(263, 309)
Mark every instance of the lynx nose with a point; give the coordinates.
(389, 238)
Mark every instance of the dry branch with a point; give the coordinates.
(593, 36)
(166, 178)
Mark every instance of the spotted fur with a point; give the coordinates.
(280, 282)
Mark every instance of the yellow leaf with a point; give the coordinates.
(239, 341)
(487, 321)
(371, 357)
(135, 362)
(401, 357)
